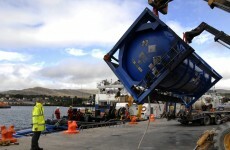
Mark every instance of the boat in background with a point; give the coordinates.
(109, 94)
(4, 105)
(113, 97)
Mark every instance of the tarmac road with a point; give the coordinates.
(161, 135)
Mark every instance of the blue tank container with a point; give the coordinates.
(151, 58)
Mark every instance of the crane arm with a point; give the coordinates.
(162, 5)
(222, 4)
(159, 5)
(219, 35)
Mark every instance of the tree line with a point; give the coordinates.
(18, 99)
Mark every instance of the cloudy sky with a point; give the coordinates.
(60, 44)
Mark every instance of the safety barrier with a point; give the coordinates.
(102, 124)
(7, 136)
(72, 128)
(133, 120)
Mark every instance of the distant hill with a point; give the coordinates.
(53, 92)
(69, 92)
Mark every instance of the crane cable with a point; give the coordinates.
(146, 127)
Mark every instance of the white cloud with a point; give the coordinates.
(75, 52)
(217, 57)
(74, 73)
(178, 28)
(203, 38)
(74, 24)
(66, 22)
(68, 74)
(18, 76)
(219, 64)
(13, 56)
(223, 84)
(97, 53)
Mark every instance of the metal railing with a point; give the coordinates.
(101, 124)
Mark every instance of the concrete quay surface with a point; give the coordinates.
(161, 135)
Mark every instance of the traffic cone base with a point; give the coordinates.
(152, 118)
(71, 132)
(133, 120)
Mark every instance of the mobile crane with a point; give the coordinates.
(162, 5)
(153, 63)
(221, 136)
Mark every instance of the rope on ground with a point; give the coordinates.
(145, 129)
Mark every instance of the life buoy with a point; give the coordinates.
(143, 108)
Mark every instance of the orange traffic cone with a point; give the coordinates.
(10, 133)
(133, 120)
(152, 118)
(72, 127)
(4, 132)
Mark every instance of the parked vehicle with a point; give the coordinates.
(225, 106)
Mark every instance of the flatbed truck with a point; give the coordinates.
(203, 117)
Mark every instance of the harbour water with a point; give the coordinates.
(21, 116)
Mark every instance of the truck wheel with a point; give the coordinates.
(222, 137)
(207, 120)
(217, 119)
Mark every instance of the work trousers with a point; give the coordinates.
(34, 141)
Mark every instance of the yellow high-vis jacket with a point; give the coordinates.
(38, 118)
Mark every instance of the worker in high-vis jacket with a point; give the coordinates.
(38, 120)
